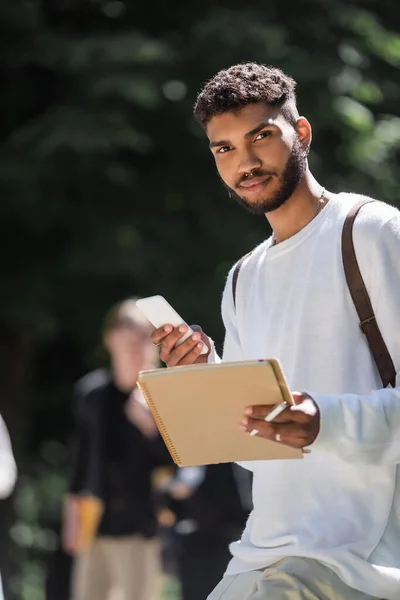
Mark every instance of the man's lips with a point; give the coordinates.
(252, 184)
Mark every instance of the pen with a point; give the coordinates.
(272, 415)
(276, 411)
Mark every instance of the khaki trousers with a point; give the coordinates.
(120, 568)
(289, 579)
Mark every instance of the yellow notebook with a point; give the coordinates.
(90, 512)
(83, 513)
(198, 409)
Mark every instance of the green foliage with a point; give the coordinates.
(107, 184)
(170, 589)
(38, 505)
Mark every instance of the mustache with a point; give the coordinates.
(254, 173)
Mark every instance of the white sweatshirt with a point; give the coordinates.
(341, 504)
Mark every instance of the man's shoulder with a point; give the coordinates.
(245, 266)
(373, 216)
(92, 382)
(251, 258)
(87, 392)
(376, 232)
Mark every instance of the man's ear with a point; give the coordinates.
(304, 133)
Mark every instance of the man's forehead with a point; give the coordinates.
(242, 120)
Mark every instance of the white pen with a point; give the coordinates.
(272, 414)
(276, 411)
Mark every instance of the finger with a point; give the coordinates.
(159, 334)
(197, 328)
(292, 440)
(169, 341)
(260, 411)
(193, 356)
(307, 407)
(270, 430)
(298, 397)
(184, 354)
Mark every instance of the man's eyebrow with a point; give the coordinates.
(219, 144)
(263, 125)
(260, 126)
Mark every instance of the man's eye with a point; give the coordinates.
(263, 135)
(223, 150)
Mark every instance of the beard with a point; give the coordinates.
(291, 176)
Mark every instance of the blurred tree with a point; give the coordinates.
(107, 186)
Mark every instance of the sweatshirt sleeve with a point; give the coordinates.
(8, 467)
(365, 428)
(213, 357)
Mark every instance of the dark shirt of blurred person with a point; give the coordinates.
(211, 505)
(116, 450)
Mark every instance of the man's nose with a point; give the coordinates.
(248, 162)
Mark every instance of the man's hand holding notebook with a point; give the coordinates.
(198, 409)
(296, 426)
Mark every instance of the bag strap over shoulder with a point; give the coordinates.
(236, 275)
(362, 302)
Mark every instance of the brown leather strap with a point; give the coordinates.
(362, 302)
(236, 275)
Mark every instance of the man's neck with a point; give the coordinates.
(298, 211)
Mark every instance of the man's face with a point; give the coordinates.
(258, 155)
(127, 348)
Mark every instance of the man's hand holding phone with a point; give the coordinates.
(179, 343)
(186, 353)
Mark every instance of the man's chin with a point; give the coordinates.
(253, 206)
(259, 206)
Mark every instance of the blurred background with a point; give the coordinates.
(108, 189)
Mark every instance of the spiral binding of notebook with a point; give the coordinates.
(159, 423)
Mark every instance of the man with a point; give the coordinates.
(117, 450)
(326, 527)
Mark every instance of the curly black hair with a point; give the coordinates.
(243, 84)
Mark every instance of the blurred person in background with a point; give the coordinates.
(211, 505)
(8, 470)
(116, 451)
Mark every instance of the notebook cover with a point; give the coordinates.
(198, 409)
(90, 511)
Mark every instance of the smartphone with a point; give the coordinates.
(159, 312)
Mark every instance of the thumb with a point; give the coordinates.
(297, 397)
